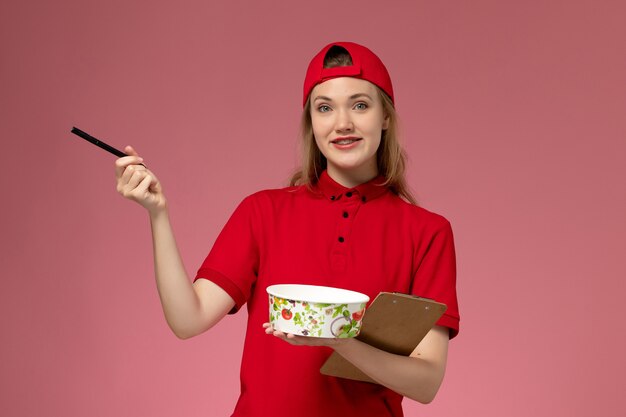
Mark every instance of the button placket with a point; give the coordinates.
(347, 211)
(347, 208)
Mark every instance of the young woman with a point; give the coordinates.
(348, 221)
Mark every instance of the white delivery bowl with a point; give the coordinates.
(316, 311)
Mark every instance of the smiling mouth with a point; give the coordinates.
(345, 141)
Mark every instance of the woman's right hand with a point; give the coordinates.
(138, 183)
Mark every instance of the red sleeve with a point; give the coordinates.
(233, 261)
(435, 277)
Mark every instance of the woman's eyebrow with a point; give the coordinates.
(358, 95)
(352, 97)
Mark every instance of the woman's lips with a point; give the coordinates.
(346, 142)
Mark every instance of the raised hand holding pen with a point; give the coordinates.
(138, 183)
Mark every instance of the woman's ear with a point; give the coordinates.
(386, 122)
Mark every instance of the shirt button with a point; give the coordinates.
(345, 214)
(349, 194)
(341, 239)
(363, 199)
(332, 197)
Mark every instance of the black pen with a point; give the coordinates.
(99, 143)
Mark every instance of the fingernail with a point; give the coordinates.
(140, 159)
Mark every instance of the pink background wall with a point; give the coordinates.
(513, 114)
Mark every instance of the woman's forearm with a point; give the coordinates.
(180, 303)
(414, 377)
(189, 309)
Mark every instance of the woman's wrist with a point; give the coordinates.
(159, 212)
(341, 345)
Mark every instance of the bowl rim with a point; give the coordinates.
(277, 290)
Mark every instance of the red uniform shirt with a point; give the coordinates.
(364, 239)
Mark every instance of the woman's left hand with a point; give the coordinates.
(303, 340)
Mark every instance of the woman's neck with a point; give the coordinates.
(352, 177)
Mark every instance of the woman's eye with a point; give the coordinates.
(360, 106)
(323, 108)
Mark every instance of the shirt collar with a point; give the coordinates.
(334, 191)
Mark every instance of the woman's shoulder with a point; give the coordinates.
(422, 216)
(273, 196)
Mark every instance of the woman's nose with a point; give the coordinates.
(343, 122)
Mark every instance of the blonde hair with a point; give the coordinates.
(391, 157)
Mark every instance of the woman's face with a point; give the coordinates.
(348, 120)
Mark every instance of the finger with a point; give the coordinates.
(142, 188)
(125, 161)
(135, 168)
(278, 333)
(129, 180)
(127, 174)
(155, 186)
(130, 151)
(136, 178)
(285, 336)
